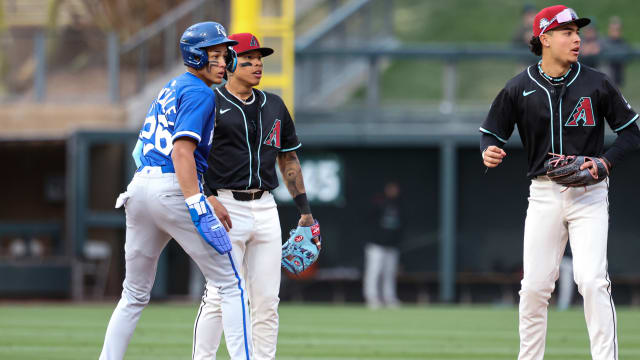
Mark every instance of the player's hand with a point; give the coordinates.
(307, 220)
(208, 224)
(493, 156)
(221, 212)
(593, 168)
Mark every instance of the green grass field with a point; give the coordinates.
(69, 332)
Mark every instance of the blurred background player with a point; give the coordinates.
(566, 284)
(561, 107)
(590, 46)
(616, 43)
(165, 200)
(382, 253)
(523, 34)
(253, 130)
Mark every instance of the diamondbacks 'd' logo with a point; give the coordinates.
(254, 42)
(583, 112)
(273, 138)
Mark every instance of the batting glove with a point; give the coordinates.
(208, 224)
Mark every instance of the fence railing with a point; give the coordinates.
(73, 64)
(449, 55)
(352, 23)
(110, 70)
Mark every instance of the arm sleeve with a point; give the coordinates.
(194, 110)
(500, 121)
(617, 110)
(290, 140)
(487, 140)
(628, 140)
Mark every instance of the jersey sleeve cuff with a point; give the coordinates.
(483, 130)
(627, 124)
(291, 149)
(189, 134)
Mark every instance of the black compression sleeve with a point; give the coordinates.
(487, 140)
(302, 204)
(628, 139)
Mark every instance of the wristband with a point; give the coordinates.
(302, 204)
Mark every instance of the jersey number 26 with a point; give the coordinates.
(155, 130)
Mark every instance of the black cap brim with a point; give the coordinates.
(264, 51)
(582, 22)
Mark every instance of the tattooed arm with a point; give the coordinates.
(292, 177)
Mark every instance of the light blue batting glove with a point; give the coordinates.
(208, 224)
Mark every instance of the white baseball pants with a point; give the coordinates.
(582, 216)
(380, 270)
(257, 243)
(156, 212)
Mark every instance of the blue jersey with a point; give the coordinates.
(185, 107)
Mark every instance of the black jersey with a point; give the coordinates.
(247, 138)
(566, 119)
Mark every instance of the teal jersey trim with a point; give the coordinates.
(560, 111)
(260, 143)
(490, 133)
(291, 149)
(264, 96)
(560, 123)
(550, 104)
(627, 124)
(259, 147)
(575, 77)
(246, 131)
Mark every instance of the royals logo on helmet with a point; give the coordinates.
(221, 30)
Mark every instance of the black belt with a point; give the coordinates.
(244, 196)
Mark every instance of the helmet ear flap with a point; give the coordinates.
(204, 57)
(231, 60)
(194, 57)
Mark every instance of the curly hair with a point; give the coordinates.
(535, 45)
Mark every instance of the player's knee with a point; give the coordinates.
(136, 297)
(536, 290)
(591, 285)
(266, 304)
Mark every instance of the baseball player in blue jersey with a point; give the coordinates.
(165, 200)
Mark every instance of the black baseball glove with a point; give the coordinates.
(565, 170)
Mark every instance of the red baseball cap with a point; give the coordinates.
(248, 42)
(553, 16)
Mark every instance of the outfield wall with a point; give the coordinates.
(489, 215)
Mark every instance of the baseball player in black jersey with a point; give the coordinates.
(253, 129)
(561, 107)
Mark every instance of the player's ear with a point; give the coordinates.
(544, 38)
